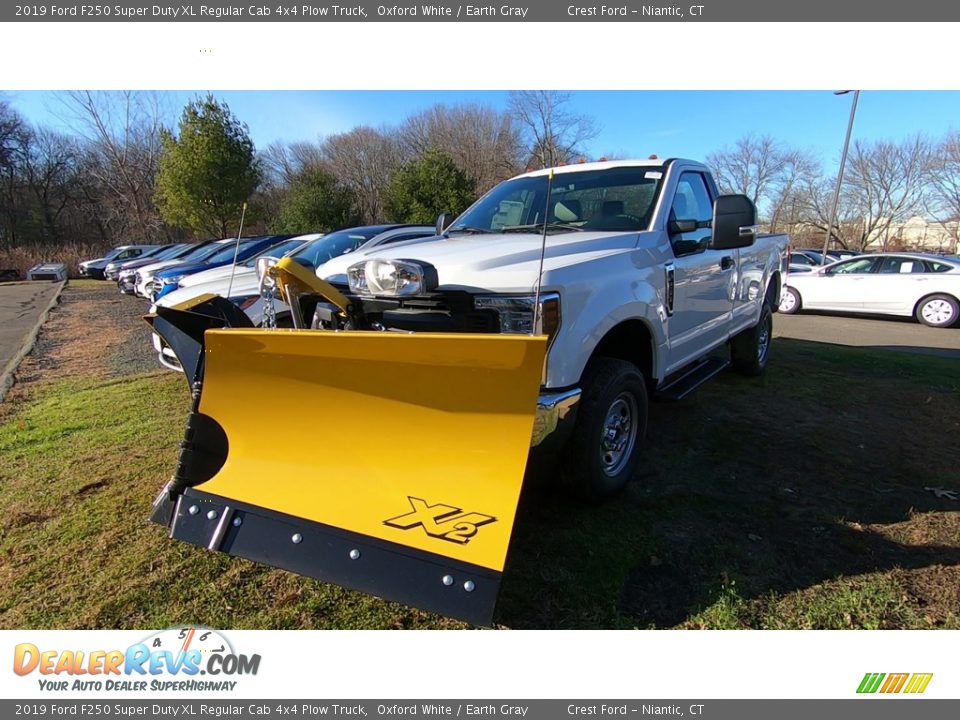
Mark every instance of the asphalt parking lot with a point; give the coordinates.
(21, 305)
(888, 333)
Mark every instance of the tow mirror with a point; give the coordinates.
(443, 221)
(734, 222)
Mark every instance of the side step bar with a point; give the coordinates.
(691, 379)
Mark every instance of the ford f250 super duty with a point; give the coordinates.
(546, 314)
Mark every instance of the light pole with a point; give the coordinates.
(843, 162)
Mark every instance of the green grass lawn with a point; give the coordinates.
(794, 501)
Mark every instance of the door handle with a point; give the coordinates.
(726, 262)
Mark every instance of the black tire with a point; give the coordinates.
(750, 349)
(939, 311)
(614, 392)
(790, 303)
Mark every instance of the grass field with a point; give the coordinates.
(795, 501)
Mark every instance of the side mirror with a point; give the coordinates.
(443, 221)
(734, 222)
(678, 227)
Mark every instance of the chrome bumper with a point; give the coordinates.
(555, 411)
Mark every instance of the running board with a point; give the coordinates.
(692, 379)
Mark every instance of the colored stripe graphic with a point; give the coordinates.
(894, 683)
(870, 682)
(918, 682)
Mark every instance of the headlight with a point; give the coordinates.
(396, 278)
(516, 312)
(172, 280)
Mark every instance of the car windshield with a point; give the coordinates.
(198, 252)
(227, 250)
(815, 256)
(617, 199)
(153, 252)
(335, 244)
(169, 252)
(277, 251)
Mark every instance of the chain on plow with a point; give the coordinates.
(269, 309)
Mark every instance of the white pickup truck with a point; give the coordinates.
(551, 310)
(646, 271)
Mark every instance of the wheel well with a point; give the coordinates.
(631, 341)
(773, 291)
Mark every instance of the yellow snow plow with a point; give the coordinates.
(400, 456)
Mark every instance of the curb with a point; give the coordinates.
(29, 340)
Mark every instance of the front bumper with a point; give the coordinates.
(556, 415)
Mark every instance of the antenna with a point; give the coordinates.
(236, 250)
(543, 250)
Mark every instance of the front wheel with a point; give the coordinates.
(938, 311)
(750, 349)
(611, 422)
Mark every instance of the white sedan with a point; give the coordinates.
(910, 284)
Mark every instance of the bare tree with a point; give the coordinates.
(52, 176)
(14, 143)
(485, 144)
(943, 178)
(554, 133)
(282, 162)
(122, 130)
(364, 159)
(768, 172)
(885, 185)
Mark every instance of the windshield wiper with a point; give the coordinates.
(538, 227)
(470, 230)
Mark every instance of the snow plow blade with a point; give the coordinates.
(384, 462)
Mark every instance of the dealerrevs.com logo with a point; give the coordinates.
(172, 659)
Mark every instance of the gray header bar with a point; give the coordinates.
(513, 11)
(873, 708)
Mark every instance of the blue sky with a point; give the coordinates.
(633, 123)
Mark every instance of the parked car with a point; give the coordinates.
(112, 269)
(905, 284)
(143, 279)
(211, 278)
(842, 254)
(811, 258)
(166, 280)
(94, 268)
(245, 291)
(127, 277)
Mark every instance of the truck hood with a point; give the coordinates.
(506, 262)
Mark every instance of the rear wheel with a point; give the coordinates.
(938, 311)
(750, 349)
(604, 452)
(789, 301)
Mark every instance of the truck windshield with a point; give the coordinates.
(618, 199)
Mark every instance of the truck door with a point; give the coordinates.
(702, 301)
